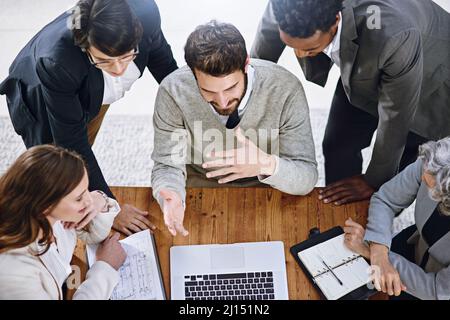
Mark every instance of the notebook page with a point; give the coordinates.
(139, 274)
(349, 267)
(353, 275)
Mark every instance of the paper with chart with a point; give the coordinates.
(140, 277)
(348, 266)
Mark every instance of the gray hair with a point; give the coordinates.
(436, 161)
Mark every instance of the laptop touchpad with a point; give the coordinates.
(227, 257)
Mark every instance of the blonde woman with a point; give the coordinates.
(417, 260)
(44, 206)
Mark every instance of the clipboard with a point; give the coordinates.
(315, 237)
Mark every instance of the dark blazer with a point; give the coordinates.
(399, 73)
(53, 91)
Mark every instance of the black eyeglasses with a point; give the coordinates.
(110, 62)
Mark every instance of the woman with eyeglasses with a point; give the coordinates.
(45, 206)
(62, 82)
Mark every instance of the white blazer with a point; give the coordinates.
(24, 276)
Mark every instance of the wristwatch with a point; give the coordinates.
(107, 201)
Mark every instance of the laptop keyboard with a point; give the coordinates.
(230, 286)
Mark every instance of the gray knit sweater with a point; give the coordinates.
(276, 119)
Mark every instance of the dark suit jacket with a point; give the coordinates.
(399, 73)
(53, 91)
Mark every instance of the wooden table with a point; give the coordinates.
(228, 215)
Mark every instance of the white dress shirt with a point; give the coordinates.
(333, 48)
(115, 87)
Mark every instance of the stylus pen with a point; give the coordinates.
(329, 269)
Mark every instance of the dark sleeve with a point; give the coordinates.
(267, 44)
(401, 62)
(160, 58)
(67, 119)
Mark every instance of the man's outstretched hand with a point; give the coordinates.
(173, 211)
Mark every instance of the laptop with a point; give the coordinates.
(240, 271)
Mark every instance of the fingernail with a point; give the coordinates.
(208, 175)
(320, 197)
(326, 201)
(204, 165)
(220, 181)
(320, 191)
(337, 203)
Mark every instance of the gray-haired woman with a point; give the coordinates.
(417, 260)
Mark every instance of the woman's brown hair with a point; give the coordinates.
(35, 183)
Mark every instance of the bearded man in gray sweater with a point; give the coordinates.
(226, 120)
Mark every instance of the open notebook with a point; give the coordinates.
(334, 268)
(140, 276)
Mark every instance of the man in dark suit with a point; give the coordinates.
(62, 82)
(394, 63)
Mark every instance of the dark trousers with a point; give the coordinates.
(349, 130)
(400, 246)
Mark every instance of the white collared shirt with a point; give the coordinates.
(244, 101)
(333, 48)
(115, 87)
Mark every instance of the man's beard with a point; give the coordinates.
(227, 112)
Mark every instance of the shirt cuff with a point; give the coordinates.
(374, 237)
